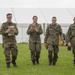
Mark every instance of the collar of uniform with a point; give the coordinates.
(9, 23)
(35, 23)
(53, 24)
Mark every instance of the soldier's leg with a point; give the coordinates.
(14, 51)
(32, 49)
(50, 52)
(74, 55)
(7, 56)
(56, 50)
(38, 50)
(50, 57)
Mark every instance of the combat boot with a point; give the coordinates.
(14, 63)
(50, 62)
(54, 62)
(37, 61)
(8, 65)
(33, 61)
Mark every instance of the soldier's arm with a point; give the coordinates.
(47, 34)
(61, 33)
(29, 30)
(0, 32)
(16, 32)
(3, 30)
(40, 31)
(68, 35)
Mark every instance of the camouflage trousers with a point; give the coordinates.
(53, 53)
(35, 49)
(73, 51)
(10, 49)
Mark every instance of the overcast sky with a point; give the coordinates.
(38, 3)
(23, 10)
(24, 15)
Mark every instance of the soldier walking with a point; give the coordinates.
(34, 31)
(9, 31)
(70, 38)
(52, 40)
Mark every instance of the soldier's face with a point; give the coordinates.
(35, 19)
(54, 20)
(9, 18)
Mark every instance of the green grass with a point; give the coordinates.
(64, 65)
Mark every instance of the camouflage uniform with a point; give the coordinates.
(52, 41)
(70, 37)
(9, 42)
(35, 41)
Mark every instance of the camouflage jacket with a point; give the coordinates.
(8, 39)
(70, 36)
(52, 34)
(35, 35)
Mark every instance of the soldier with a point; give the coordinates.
(35, 30)
(9, 31)
(52, 40)
(70, 38)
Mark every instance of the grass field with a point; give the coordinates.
(64, 65)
